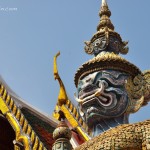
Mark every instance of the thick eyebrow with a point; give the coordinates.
(114, 75)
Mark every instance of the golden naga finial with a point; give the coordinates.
(62, 97)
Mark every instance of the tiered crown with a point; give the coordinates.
(105, 45)
(105, 39)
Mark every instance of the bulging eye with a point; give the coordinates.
(96, 44)
(105, 83)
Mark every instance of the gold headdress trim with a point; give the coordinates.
(106, 61)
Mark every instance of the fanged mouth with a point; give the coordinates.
(104, 99)
(100, 100)
(97, 96)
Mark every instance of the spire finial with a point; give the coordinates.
(104, 2)
(105, 39)
(105, 14)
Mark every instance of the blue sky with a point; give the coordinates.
(36, 30)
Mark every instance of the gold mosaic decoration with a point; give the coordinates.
(123, 137)
(106, 61)
(138, 90)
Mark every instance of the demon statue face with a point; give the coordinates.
(102, 95)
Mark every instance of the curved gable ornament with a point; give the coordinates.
(26, 138)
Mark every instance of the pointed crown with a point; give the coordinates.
(105, 39)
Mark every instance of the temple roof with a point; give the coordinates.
(41, 123)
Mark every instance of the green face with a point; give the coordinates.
(102, 95)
